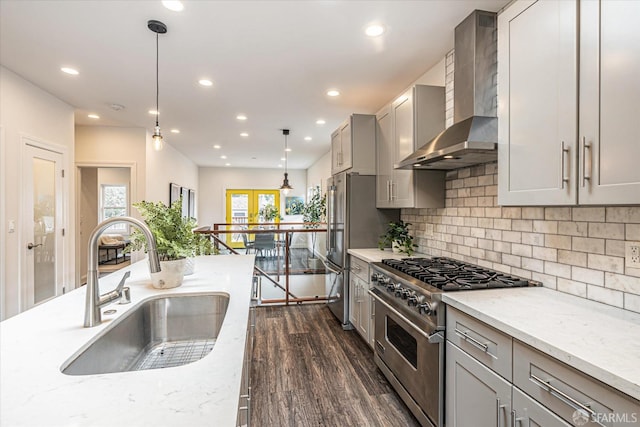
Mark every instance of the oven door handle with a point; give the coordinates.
(434, 338)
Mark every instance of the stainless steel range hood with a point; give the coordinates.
(474, 136)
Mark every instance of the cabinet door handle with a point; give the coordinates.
(515, 420)
(563, 397)
(391, 186)
(499, 409)
(564, 167)
(471, 340)
(587, 161)
(388, 191)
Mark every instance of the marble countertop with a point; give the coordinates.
(36, 343)
(376, 255)
(600, 340)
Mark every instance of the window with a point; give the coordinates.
(113, 202)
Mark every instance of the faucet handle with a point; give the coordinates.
(126, 296)
(121, 284)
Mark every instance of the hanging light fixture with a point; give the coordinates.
(285, 187)
(158, 28)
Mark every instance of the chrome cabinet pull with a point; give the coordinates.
(471, 340)
(515, 420)
(499, 409)
(587, 161)
(388, 191)
(564, 157)
(562, 396)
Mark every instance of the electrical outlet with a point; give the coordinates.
(632, 255)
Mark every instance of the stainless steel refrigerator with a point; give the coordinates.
(353, 222)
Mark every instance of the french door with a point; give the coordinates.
(243, 206)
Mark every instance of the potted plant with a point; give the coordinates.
(175, 240)
(269, 213)
(398, 237)
(314, 213)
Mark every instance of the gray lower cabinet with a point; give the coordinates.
(360, 314)
(529, 413)
(475, 395)
(244, 404)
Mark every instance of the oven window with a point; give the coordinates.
(402, 341)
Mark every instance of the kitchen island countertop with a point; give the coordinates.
(36, 343)
(597, 339)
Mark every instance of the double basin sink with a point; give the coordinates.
(160, 332)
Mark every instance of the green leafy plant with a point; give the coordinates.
(174, 234)
(269, 213)
(313, 213)
(398, 235)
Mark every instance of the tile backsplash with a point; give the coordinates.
(577, 250)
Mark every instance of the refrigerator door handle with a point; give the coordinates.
(330, 268)
(331, 219)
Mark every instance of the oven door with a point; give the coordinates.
(414, 356)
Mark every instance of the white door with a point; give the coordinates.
(42, 242)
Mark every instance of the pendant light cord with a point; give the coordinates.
(157, 79)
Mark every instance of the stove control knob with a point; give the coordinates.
(399, 290)
(376, 277)
(412, 299)
(425, 308)
(406, 293)
(391, 287)
(383, 280)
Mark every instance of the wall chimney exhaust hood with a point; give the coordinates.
(473, 137)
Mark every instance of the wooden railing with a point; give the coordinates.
(271, 228)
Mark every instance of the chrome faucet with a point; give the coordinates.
(95, 301)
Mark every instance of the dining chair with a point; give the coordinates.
(248, 244)
(264, 244)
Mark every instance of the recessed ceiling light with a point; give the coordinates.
(71, 71)
(93, 116)
(374, 30)
(227, 164)
(279, 166)
(205, 82)
(174, 5)
(287, 150)
(307, 138)
(223, 157)
(282, 158)
(175, 130)
(217, 147)
(244, 134)
(154, 112)
(333, 92)
(241, 117)
(320, 122)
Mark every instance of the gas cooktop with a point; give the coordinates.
(452, 275)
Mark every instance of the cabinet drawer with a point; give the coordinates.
(568, 392)
(360, 268)
(488, 345)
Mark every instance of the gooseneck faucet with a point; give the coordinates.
(95, 301)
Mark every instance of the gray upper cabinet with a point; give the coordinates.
(409, 122)
(609, 103)
(552, 150)
(353, 145)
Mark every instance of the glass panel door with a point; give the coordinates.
(43, 233)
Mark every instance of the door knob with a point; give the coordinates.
(31, 245)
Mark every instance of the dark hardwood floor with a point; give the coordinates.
(307, 371)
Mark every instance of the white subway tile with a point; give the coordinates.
(572, 287)
(560, 214)
(533, 264)
(545, 254)
(622, 283)
(545, 279)
(513, 213)
(623, 214)
(547, 227)
(535, 239)
(493, 212)
(521, 250)
(586, 244)
(632, 232)
(632, 271)
(532, 213)
(632, 302)
(558, 270)
(511, 260)
(557, 241)
(573, 258)
(588, 214)
(614, 247)
(606, 296)
(502, 224)
(464, 173)
(606, 230)
(512, 236)
(522, 225)
(573, 228)
(526, 274)
(593, 277)
(504, 247)
(605, 263)
(494, 234)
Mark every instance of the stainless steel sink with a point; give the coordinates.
(161, 332)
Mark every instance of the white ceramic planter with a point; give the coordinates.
(171, 274)
(189, 266)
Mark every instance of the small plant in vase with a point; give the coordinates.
(269, 213)
(398, 237)
(314, 213)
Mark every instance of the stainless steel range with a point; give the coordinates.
(410, 324)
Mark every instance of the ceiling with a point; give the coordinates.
(272, 61)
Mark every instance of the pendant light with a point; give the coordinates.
(285, 187)
(158, 28)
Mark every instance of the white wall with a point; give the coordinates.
(167, 166)
(213, 183)
(317, 175)
(26, 110)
